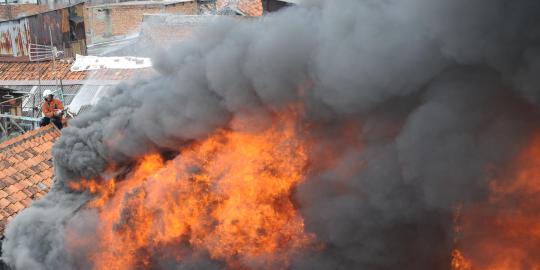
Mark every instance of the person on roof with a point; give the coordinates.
(52, 110)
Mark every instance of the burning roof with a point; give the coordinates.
(359, 135)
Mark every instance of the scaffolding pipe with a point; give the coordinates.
(25, 118)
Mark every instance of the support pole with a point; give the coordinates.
(17, 125)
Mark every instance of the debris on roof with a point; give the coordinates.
(89, 62)
(26, 170)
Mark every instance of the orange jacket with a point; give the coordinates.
(48, 108)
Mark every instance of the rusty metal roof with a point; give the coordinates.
(17, 34)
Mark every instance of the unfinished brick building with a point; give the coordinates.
(120, 19)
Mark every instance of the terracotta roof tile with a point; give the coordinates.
(251, 7)
(14, 178)
(17, 71)
(4, 203)
(248, 7)
(36, 178)
(11, 189)
(27, 192)
(20, 196)
(12, 198)
(9, 211)
(16, 207)
(25, 169)
(26, 202)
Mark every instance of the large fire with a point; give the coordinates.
(504, 232)
(228, 197)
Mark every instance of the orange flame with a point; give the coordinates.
(504, 232)
(459, 262)
(228, 196)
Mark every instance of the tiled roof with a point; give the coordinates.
(248, 7)
(251, 7)
(26, 171)
(18, 71)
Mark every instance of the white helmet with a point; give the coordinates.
(46, 93)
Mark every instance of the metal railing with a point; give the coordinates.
(38, 52)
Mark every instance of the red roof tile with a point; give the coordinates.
(17, 71)
(248, 7)
(251, 7)
(24, 170)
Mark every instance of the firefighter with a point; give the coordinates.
(52, 110)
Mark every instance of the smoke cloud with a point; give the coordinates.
(440, 94)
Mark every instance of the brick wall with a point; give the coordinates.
(106, 21)
(20, 10)
(248, 7)
(188, 8)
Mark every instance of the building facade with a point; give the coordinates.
(117, 20)
(63, 28)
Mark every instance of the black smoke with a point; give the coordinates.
(443, 92)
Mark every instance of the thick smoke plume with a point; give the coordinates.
(418, 102)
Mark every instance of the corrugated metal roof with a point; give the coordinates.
(14, 38)
(17, 34)
(45, 28)
(85, 108)
(88, 95)
(70, 91)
